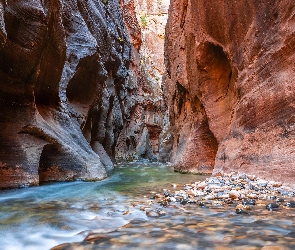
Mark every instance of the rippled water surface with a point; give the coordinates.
(109, 214)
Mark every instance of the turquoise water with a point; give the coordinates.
(109, 214)
(45, 216)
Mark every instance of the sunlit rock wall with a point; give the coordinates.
(66, 88)
(229, 85)
(140, 136)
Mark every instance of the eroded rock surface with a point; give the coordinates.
(68, 86)
(229, 86)
(141, 133)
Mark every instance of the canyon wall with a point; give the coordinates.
(140, 135)
(229, 87)
(69, 88)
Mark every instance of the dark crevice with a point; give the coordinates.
(184, 11)
(180, 95)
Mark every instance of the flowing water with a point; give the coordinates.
(109, 215)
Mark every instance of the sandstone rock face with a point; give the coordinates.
(140, 135)
(67, 88)
(152, 17)
(229, 87)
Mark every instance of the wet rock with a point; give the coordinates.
(217, 203)
(171, 199)
(144, 208)
(152, 213)
(161, 212)
(158, 196)
(280, 199)
(262, 183)
(252, 196)
(95, 236)
(254, 187)
(229, 201)
(168, 194)
(242, 209)
(191, 192)
(290, 204)
(272, 206)
(222, 195)
(233, 194)
(227, 190)
(191, 201)
(249, 202)
(183, 201)
(201, 185)
(209, 197)
(164, 203)
(202, 204)
(275, 184)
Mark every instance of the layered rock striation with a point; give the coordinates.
(68, 88)
(141, 134)
(229, 87)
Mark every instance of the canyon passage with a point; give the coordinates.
(107, 93)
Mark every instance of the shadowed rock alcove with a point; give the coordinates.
(217, 87)
(210, 101)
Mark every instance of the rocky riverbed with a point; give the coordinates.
(135, 209)
(234, 211)
(237, 191)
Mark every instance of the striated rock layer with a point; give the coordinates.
(140, 135)
(68, 87)
(229, 87)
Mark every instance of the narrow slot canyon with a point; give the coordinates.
(132, 124)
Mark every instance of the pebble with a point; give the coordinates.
(224, 196)
(191, 192)
(234, 194)
(290, 204)
(272, 206)
(242, 209)
(252, 196)
(275, 184)
(249, 202)
(155, 213)
(202, 204)
(202, 185)
(228, 189)
(171, 199)
(280, 200)
(210, 197)
(152, 213)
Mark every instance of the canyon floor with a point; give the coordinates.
(126, 211)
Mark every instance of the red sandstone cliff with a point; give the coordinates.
(140, 135)
(230, 85)
(69, 88)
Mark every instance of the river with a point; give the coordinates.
(109, 214)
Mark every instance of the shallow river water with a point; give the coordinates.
(109, 215)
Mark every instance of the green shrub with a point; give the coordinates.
(143, 21)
